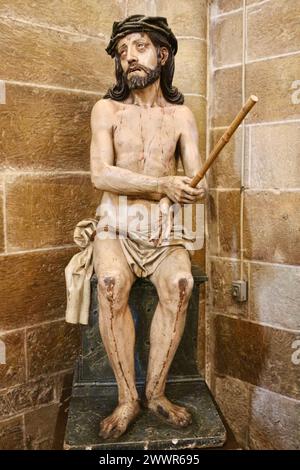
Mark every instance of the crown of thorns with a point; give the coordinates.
(140, 23)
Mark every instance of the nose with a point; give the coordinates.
(131, 58)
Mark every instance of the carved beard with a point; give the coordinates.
(136, 82)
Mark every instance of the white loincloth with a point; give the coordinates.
(143, 248)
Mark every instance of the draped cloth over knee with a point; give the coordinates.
(78, 273)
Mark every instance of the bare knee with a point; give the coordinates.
(114, 287)
(184, 282)
(177, 288)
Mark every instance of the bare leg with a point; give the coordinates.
(174, 282)
(117, 331)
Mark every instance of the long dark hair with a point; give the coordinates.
(120, 91)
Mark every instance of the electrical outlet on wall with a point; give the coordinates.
(240, 290)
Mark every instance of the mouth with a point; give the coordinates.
(134, 69)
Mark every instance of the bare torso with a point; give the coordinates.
(145, 141)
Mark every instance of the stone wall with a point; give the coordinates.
(53, 68)
(253, 349)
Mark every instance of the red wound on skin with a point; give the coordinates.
(182, 284)
(110, 283)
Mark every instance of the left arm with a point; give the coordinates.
(189, 146)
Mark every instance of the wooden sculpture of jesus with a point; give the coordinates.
(140, 129)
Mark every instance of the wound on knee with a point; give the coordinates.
(182, 283)
(109, 283)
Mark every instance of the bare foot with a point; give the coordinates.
(174, 414)
(116, 424)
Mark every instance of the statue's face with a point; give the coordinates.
(139, 60)
(137, 48)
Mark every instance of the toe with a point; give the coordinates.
(105, 427)
(186, 420)
(118, 431)
(103, 433)
(107, 431)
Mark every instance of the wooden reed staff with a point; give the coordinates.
(225, 139)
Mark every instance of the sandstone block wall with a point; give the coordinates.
(53, 68)
(252, 366)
